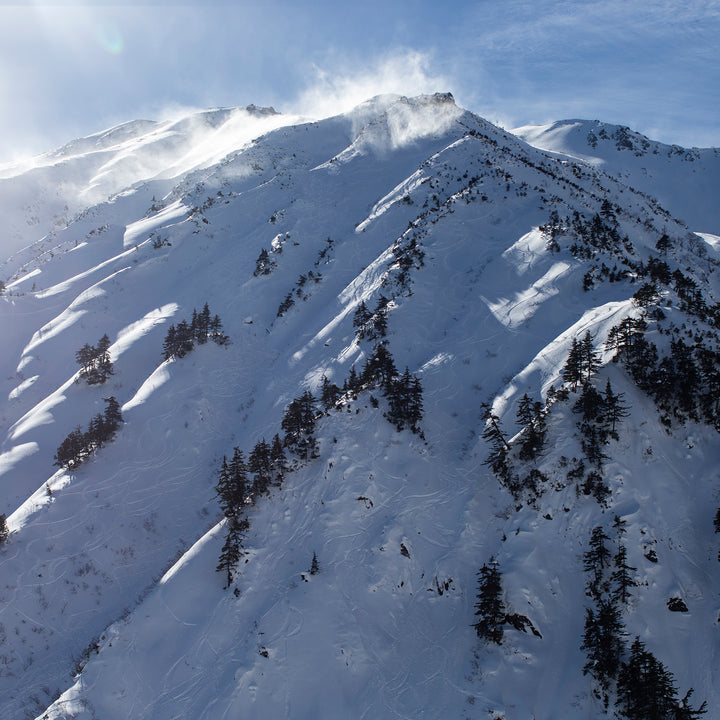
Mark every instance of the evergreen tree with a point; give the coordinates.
(215, 331)
(314, 566)
(95, 364)
(4, 531)
(531, 418)
(299, 425)
(590, 405)
(277, 456)
(353, 382)
(621, 578)
(589, 359)
(498, 458)
(232, 552)
(379, 368)
(329, 393)
(112, 419)
(85, 357)
(596, 560)
(603, 642)
(203, 324)
(183, 339)
(489, 608)
(614, 411)
(232, 485)
(645, 688)
(260, 465)
(361, 318)
(72, 450)
(169, 344)
(405, 402)
(572, 372)
(97, 432)
(103, 364)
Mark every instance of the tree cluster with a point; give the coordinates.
(646, 689)
(94, 360)
(239, 484)
(298, 424)
(531, 418)
(371, 325)
(298, 291)
(526, 446)
(181, 338)
(609, 583)
(403, 392)
(685, 383)
(78, 446)
(582, 362)
(264, 264)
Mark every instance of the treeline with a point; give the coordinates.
(181, 338)
(78, 446)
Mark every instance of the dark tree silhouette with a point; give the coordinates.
(489, 608)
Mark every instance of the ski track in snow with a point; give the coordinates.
(122, 551)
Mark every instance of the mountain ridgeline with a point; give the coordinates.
(451, 451)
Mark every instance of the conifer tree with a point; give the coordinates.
(589, 359)
(112, 417)
(645, 688)
(277, 456)
(531, 418)
(596, 560)
(361, 317)
(489, 608)
(572, 372)
(232, 552)
(260, 465)
(379, 368)
(4, 531)
(603, 641)
(614, 410)
(498, 458)
(232, 485)
(621, 578)
(329, 393)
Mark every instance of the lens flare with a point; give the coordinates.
(110, 38)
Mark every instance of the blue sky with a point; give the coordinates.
(70, 68)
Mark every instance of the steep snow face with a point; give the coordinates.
(44, 194)
(443, 226)
(685, 181)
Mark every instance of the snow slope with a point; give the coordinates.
(685, 181)
(110, 604)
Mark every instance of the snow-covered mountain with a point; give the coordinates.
(408, 227)
(685, 181)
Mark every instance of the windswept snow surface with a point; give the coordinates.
(110, 604)
(684, 181)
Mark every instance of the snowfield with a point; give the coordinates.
(110, 603)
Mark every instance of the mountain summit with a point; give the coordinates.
(390, 414)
